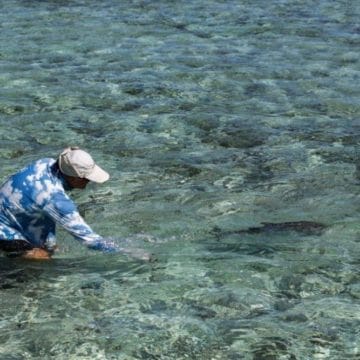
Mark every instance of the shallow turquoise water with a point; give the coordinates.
(212, 117)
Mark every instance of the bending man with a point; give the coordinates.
(33, 200)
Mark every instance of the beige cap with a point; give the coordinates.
(78, 163)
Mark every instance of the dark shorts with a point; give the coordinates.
(15, 247)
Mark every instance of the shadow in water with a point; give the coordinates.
(15, 272)
(301, 227)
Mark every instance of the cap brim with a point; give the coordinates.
(98, 175)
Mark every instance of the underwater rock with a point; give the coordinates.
(295, 317)
(354, 290)
(283, 305)
(324, 336)
(291, 285)
(13, 278)
(272, 348)
(200, 311)
(134, 89)
(157, 306)
(92, 284)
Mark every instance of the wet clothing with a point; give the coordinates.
(33, 201)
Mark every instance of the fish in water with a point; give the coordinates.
(302, 227)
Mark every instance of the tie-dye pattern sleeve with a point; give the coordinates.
(64, 212)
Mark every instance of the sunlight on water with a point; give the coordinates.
(231, 133)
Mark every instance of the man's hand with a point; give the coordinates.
(37, 254)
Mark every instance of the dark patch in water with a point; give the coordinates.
(302, 227)
(157, 306)
(11, 277)
(200, 311)
(271, 348)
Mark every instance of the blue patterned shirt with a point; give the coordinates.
(33, 201)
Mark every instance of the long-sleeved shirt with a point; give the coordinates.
(34, 200)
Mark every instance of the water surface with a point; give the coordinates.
(212, 117)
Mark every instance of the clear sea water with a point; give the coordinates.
(213, 117)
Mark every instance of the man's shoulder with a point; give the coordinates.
(36, 170)
(36, 164)
(44, 161)
(39, 166)
(40, 182)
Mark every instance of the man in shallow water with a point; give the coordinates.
(33, 200)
